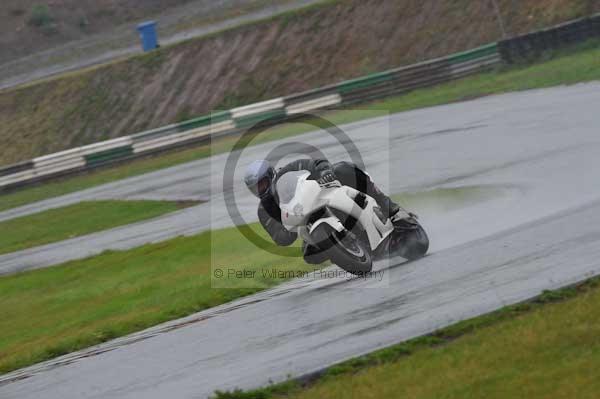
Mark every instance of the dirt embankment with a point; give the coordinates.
(27, 26)
(291, 53)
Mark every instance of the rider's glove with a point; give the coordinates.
(328, 179)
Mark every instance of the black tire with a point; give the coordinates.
(345, 250)
(413, 244)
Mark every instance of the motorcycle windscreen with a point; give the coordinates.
(287, 184)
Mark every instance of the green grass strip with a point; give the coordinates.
(76, 220)
(579, 64)
(54, 311)
(548, 347)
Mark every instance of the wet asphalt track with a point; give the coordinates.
(307, 324)
(537, 151)
(542, 145)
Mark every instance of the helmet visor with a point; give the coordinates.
(263, 186)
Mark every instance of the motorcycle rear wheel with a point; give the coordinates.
(412, 244)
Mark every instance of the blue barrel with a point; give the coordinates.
(148, 35)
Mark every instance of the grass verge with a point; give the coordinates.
(578, 64)
(76, 220)
(547, 347)
(54, 311)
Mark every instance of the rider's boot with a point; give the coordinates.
(400, 218)
(404, 221)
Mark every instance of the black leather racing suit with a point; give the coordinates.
(269, 213)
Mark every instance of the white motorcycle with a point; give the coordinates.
(345, 223)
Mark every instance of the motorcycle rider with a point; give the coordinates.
(261, 178)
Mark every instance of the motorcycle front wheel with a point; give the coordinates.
(344, 249)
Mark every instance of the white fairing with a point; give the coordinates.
(299, 198)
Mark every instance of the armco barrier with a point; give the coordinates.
(530, 46)
(217, 124)
(325, 101)
(200, 134)
(16, 168)
(231, 122)
(252, 114)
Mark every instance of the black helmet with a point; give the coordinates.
(259, 177)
